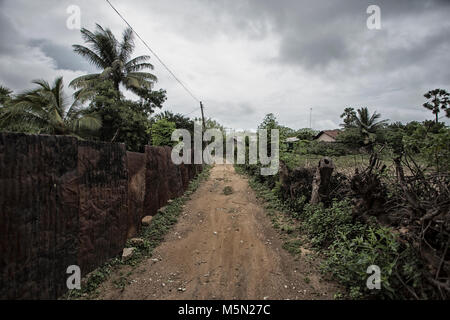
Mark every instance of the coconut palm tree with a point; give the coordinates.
(5, 95)
(113, 57)
(368, 124)
(45, 110)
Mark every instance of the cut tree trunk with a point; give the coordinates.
(321, 180)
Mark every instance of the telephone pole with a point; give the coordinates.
(203, 116)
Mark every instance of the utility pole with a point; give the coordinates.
(203, 116)
(310, 118)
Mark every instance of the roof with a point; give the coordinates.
(292, 139)
(331, 133)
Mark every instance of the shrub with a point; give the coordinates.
(349, 256)
(322, 224)
(328, 149)
(162, 133)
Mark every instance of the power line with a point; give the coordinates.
(196, 109)
(154, 53)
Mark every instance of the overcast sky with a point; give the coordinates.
(248, 58)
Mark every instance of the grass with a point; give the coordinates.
(152, 235)
(293, 246)
(227, 190)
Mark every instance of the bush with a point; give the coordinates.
(349, 256)
(433, 146)
(351, 247)
(162, 133)
(329, 149)
(322, 224)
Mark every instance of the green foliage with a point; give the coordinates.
(269, 122)
(293, 246)
(211, 124)
(181, 122)
(368, 125)
(330, 149)
(438, 100)
(162, 132)
(5, 95)
(351, 137)
(113, 57)
(322, 224)
(350, 247)
(353, 252)
(45, 110)
(434, 147)
(361, 128)
(349, 116)
(227, 190)
(306, 134)
(123, 120)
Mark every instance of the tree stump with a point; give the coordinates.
(321, 179)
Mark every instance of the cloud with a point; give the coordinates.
(245, 59)
(63, 56)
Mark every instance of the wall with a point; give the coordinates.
(68, 202)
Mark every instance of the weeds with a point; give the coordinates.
(227, 190)
(293, 246)
(349, 247)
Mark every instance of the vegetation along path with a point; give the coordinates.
(223, 247)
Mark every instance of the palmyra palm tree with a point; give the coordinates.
(368, 124)
(105, 52)
(439, 99)
(45, 110)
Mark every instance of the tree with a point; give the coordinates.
(123, 120)
(113, 57)
(5, 95)
(349, 117)
(270, 123)
(45, 110)
(438, 100)
(306, 134)
(181, 122)
(368, 125)
(162, 133)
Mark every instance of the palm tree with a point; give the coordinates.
(45, 110)
(438, 99)
(5, 95)
(368, 124)
(105, 52)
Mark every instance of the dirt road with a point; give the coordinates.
(223, 247)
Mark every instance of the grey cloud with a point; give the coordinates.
(64, 56)
(313, 52)
(301, 53)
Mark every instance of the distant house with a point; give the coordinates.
(327, 135)
(291, 141)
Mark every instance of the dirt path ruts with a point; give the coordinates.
(223, 247)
